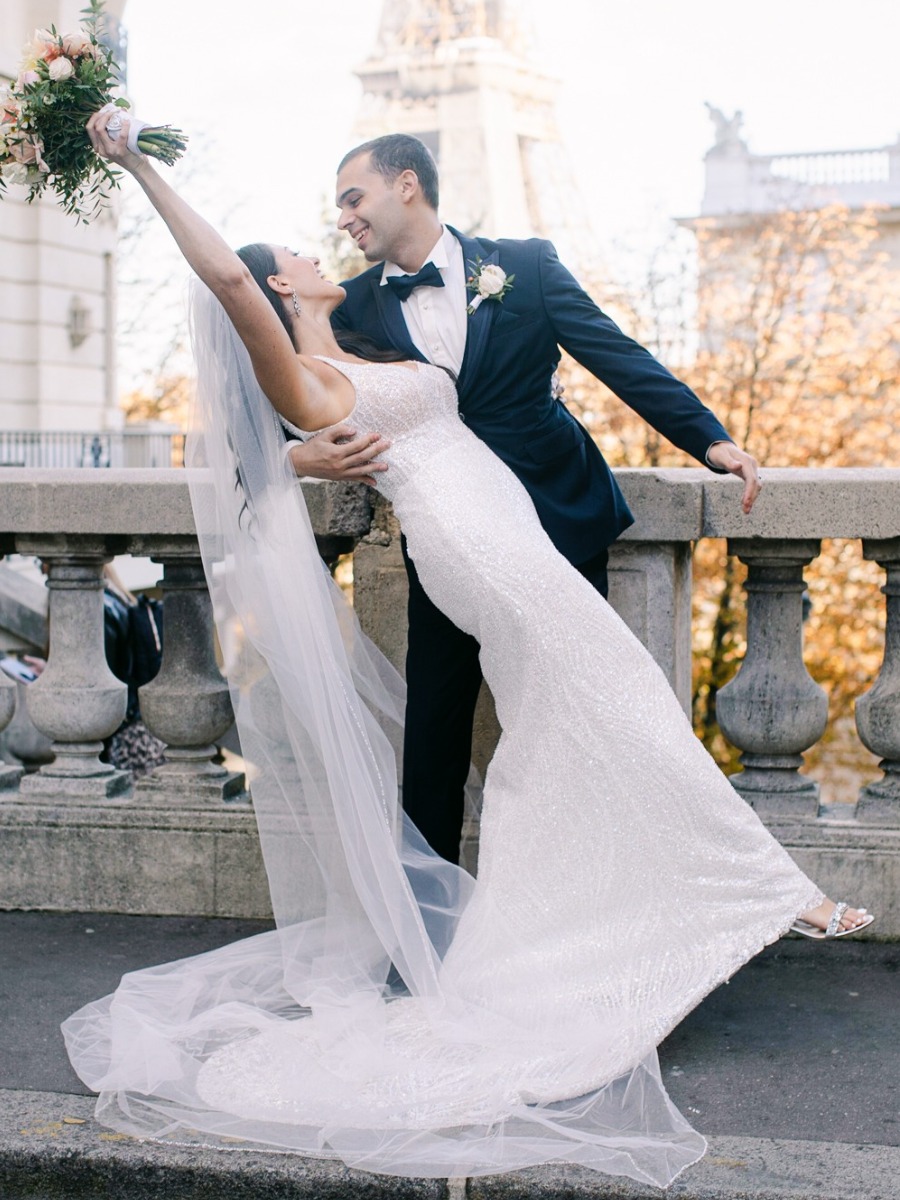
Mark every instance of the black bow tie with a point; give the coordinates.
(402, 285)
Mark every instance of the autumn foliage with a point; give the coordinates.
(793, 342)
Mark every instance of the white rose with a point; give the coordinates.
(61, 68)
(492, 280)
(14, 172)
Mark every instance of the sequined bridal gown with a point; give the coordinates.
(620, 879)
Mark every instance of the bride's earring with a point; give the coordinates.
(295, 302)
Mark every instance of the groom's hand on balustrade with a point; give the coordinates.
(339, 454)
(729, 457)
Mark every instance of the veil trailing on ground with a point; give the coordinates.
(359, 1043)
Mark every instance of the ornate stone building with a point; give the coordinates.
(57, 293)
(462, 76)
(741, 187)
(739, 183)
(745, 193)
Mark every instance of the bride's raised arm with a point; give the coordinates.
(295, 390)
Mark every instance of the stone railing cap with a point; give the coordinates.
(806, 502)
(152, 501)
(677, 504)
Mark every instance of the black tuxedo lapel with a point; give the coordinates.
(479, 323)
(392, 318)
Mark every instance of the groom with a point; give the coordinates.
(503, 355)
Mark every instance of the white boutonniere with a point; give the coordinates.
(488, 282)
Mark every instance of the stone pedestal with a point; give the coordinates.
(9, 775)
(77, 701)
(187, 705)
(878, 711)
(772, 710)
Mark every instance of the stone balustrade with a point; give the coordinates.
(739, 182)
(76, 833)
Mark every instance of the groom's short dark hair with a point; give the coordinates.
(398, 152)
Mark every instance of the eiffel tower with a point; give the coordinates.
(462, 75)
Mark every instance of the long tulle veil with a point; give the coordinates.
(319, 709)
(399, 1071)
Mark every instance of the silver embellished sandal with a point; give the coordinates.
(833, 929)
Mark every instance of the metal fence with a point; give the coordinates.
(73, 448)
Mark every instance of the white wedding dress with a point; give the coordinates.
(620, 877)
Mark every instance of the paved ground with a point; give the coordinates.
(802, 1045)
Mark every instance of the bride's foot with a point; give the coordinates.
(830, 920)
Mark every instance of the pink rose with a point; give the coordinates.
(77, 44)
(24, 151)
(24, 79)
(42, 41)
(34, 51)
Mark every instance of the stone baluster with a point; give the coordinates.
(9, 775)
(77, 701)
(187, 705)
(772, 710)
(878, 711)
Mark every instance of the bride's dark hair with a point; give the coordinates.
(259, 260)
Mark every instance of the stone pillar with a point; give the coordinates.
(187, 705)
(380, 587)
(878, 711)
(650, 589)
(9, 775)
(772, 710)
(77, 701)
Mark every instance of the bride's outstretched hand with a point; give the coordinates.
(100, 128)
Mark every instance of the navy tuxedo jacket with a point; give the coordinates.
(512, 350)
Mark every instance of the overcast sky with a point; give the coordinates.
(267, 92)
(273, 82)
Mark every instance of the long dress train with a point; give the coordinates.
(620, 877)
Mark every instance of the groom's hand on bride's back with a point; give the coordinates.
(340, 454)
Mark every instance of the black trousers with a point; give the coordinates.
(443, 677)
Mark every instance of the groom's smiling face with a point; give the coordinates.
(374, 211)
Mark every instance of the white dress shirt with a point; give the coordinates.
(436, 317)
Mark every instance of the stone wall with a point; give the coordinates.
(73, 835)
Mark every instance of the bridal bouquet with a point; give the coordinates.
(63, 78)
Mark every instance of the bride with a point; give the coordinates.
(404, 1017)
